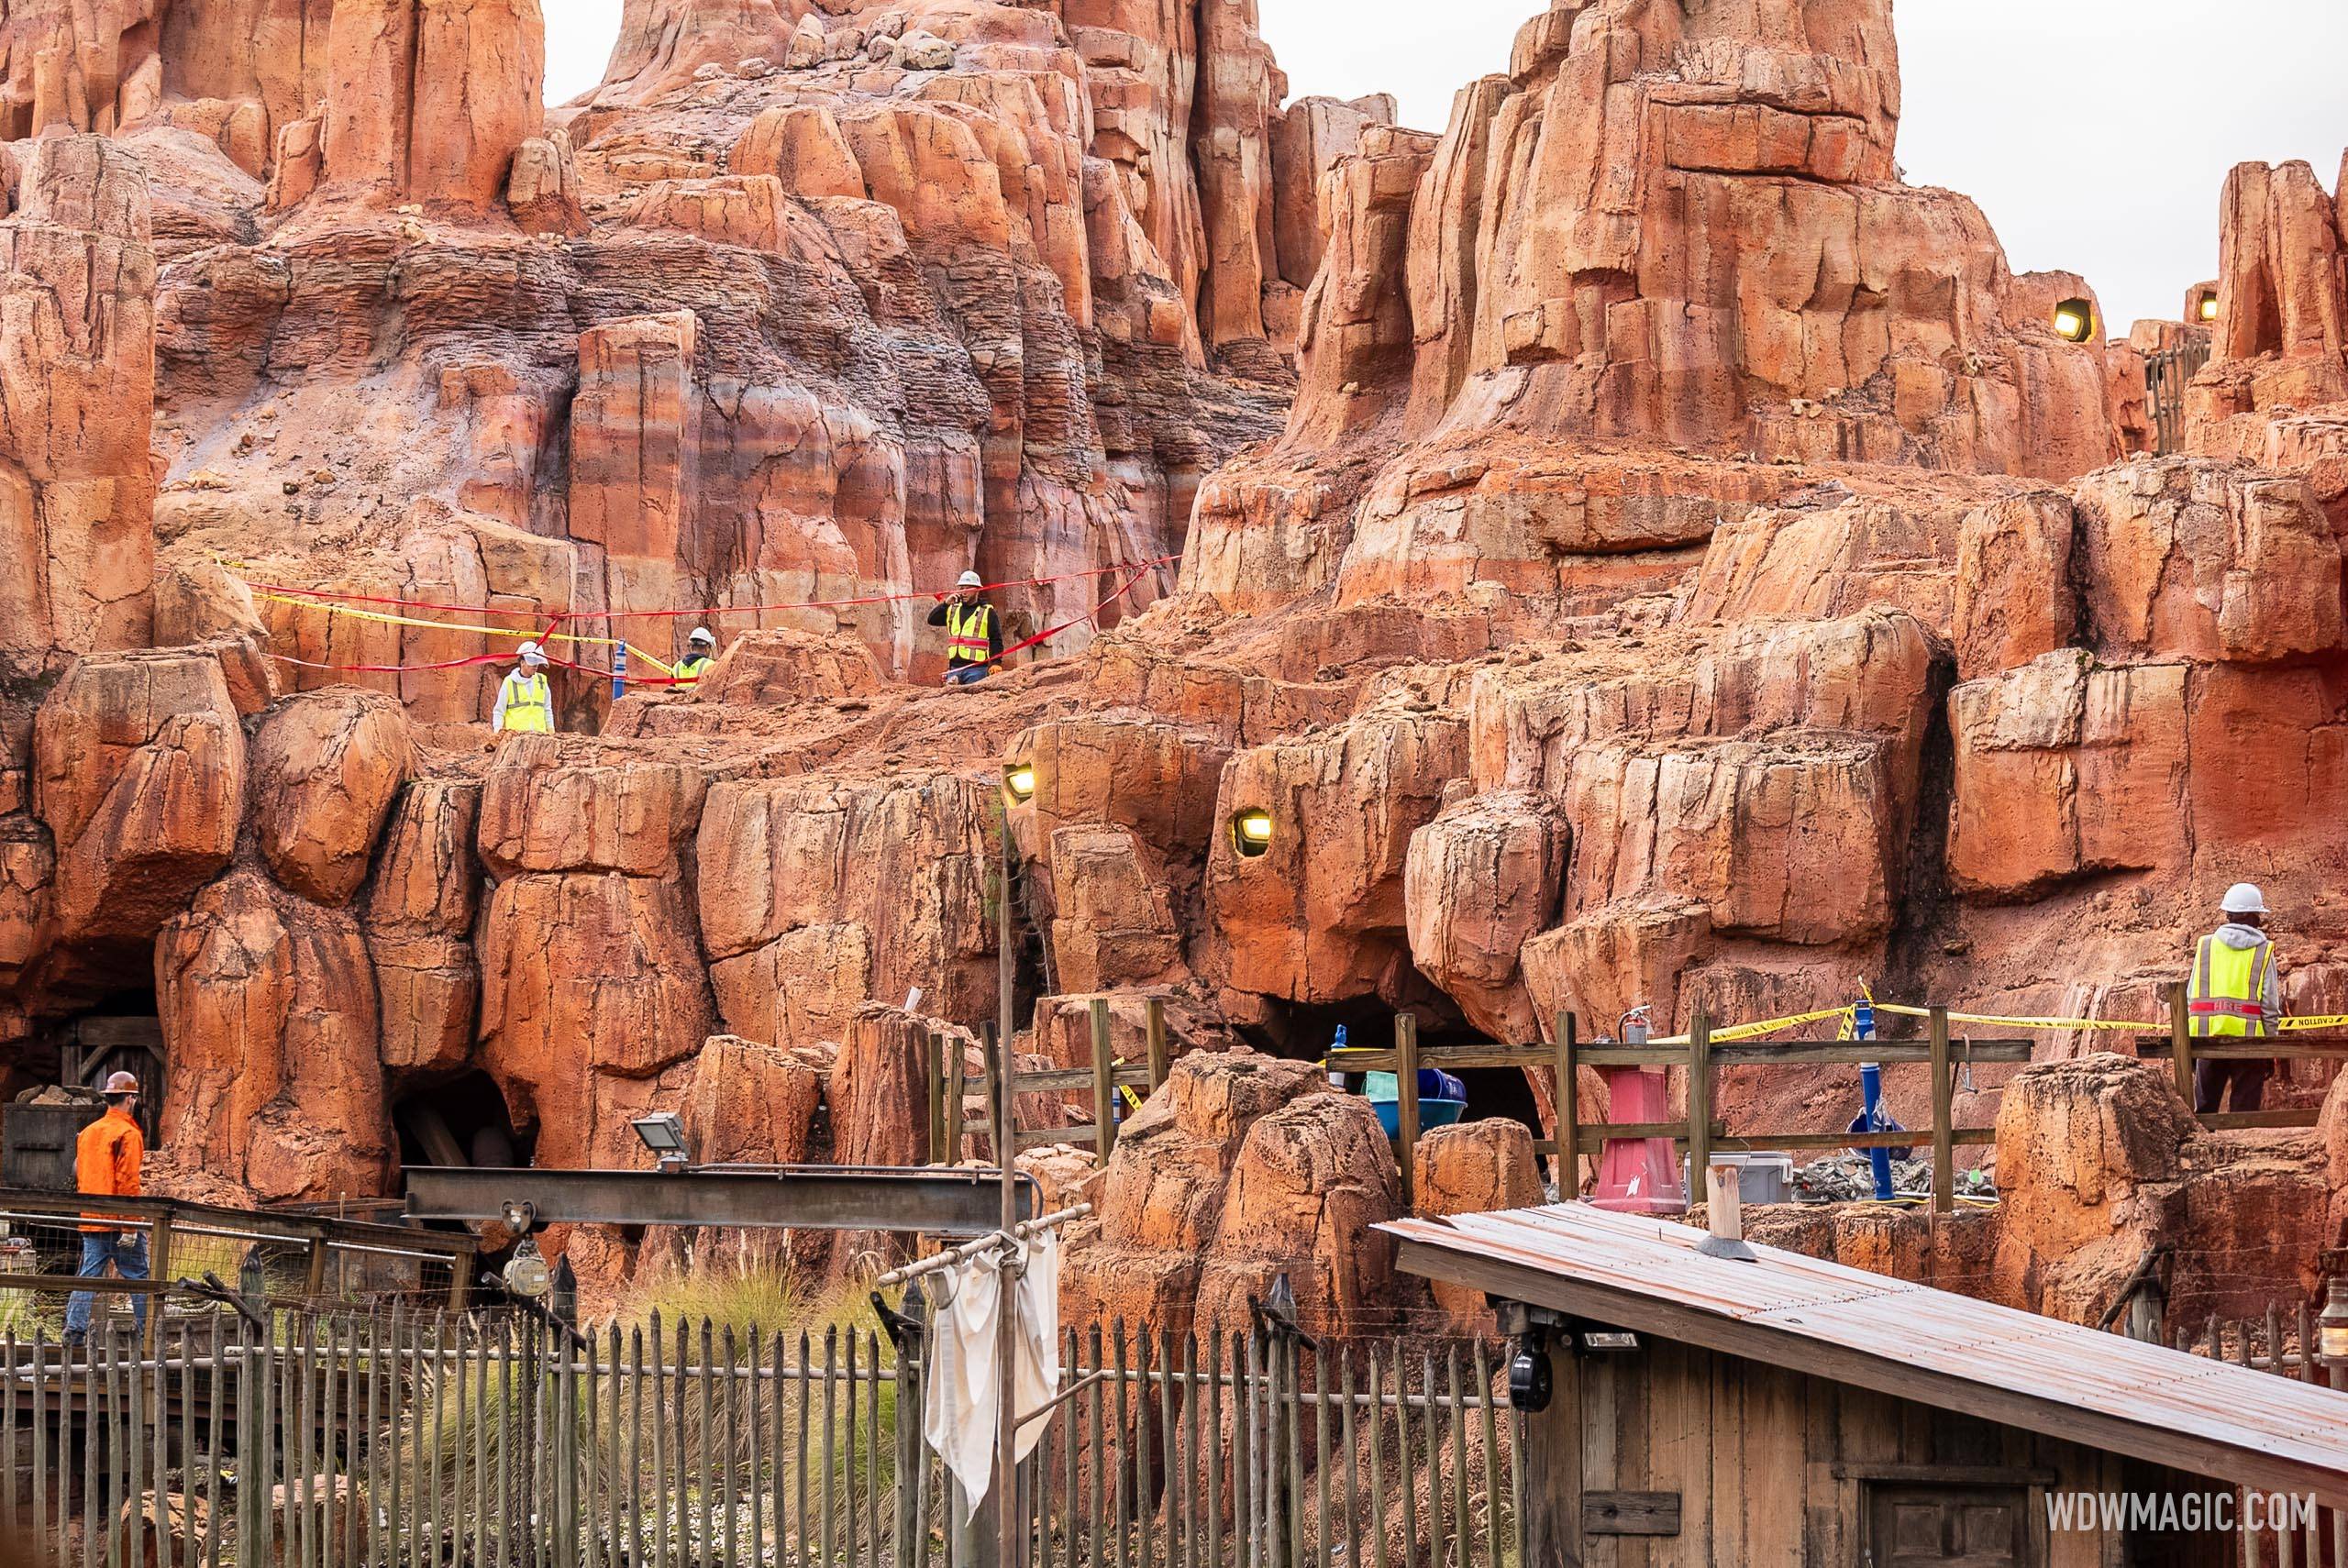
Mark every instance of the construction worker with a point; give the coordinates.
(105, 1165)
(974, 631)
(2234, 994)
(525, 700)
(698, 649)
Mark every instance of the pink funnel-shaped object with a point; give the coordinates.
(1638, 1175)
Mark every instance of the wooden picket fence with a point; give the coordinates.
(2280, 1343)
(472, 1442)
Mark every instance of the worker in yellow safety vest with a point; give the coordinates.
(974, 631)
(2234, 994)
(699, 648)
(525, 700)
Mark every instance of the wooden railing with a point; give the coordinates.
(2182, 1051)
(1701, 1059)
(950, 1129)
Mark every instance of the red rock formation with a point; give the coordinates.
(2281, 335)
(325, 767)
(269, 1003)
(1473, 1167)
(418, 918)
(426, 100)
(77, 345)
(140, 781)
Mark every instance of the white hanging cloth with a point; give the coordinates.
(958, 1404)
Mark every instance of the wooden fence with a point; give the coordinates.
(2281, 1342)
(951, 1129)
(271, 1256)
(1700, 1132)
(403, 1442)
(2167, 372)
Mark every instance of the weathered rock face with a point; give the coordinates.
(2098, 1162)
(77, 388)
(819, 894)
(1593, 253)
(418, 918)
(1319, 915)
(2280, 341)
(1656, 595)
(269, 1004)
(1240, 1168)
(1474, 1167)
(325, 767)
(140, 782)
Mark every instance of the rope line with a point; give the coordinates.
(305, 595)
(271, 593)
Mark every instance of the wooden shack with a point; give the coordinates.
(1770, 1409)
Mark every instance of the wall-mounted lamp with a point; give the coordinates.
(1019, 782)
(1251, 831)
(2074, 321)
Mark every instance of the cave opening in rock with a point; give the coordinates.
(120, 1032)
(461, 1122)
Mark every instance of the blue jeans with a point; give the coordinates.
(128, 1256)
(968, 674)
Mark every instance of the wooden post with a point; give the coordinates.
(460, 1281)
(934, 1072)
(1567, 1164)
(316, 1285)
(1406, 1098)
(957, 1067)
(158, 1267)
(997, 1068)
(1104, 1090)
(2180, 1035)
(1700, 1094)
(1943, 1118)
(1160, 1057)
(1550, 1465)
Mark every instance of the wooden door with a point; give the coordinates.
(1914, 1526)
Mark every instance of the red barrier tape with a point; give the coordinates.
(708, 611)
(1138, 573)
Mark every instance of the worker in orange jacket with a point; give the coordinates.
(105, 1165)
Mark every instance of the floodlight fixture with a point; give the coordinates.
(665, 1135)
(1019, 782)
(1251, 831)
(2074, 321)
(2208, 308)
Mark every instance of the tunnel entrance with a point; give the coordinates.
(461, 1122)
(1302, 1031)
(122, 1034)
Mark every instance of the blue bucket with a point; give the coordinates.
(1443, 1099)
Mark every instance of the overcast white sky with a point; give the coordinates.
(2095, 133)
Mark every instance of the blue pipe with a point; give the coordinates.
(1871, 1091)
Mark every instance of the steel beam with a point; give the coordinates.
(792, 1197)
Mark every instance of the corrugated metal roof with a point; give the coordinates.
(1636, 1272)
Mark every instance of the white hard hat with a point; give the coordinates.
(702, 634)
(532, 654)
(122, 1083)
(971, 579)
(2244, 898)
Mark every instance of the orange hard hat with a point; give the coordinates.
(121, 1083)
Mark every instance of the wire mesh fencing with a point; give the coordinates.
(401, 1440)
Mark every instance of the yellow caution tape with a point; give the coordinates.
(519, 635)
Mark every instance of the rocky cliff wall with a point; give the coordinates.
(1684, 565)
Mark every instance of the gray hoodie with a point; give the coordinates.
(2236, 936)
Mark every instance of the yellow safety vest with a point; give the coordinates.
(967, 641)
(691, 670)
(2227, 996)
(529, 704)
